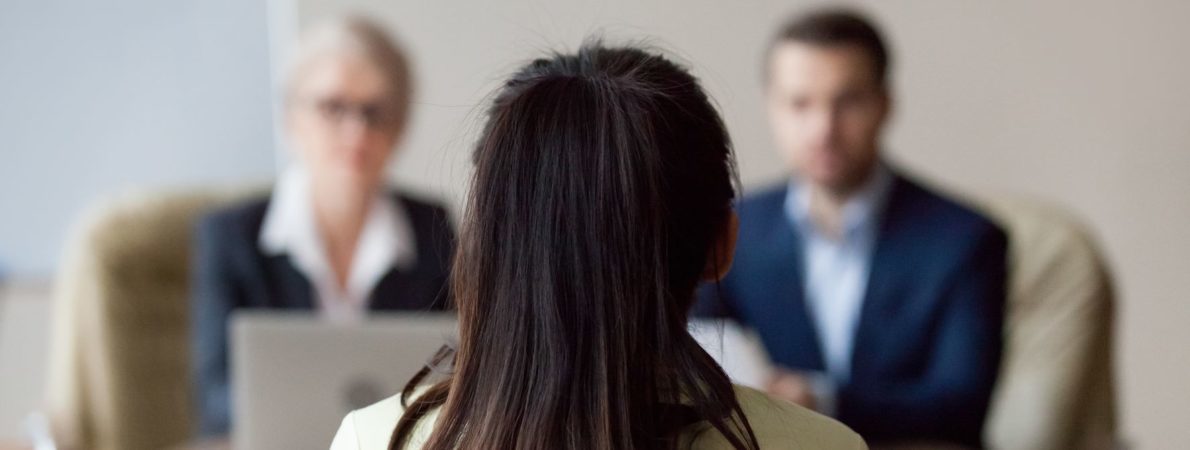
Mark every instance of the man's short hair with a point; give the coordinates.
(832, 27)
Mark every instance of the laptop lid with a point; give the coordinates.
(294, 375)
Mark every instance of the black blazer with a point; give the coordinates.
(230, 272)
(927, 346)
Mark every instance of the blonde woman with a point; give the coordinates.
(331, 236)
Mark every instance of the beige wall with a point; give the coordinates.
(1082, 103)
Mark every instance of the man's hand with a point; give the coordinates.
(792, 386)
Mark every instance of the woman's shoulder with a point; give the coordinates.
(369, 427)
(238, 220)
(372, 426)
(776, 423)
(781, 424)
(421, 208)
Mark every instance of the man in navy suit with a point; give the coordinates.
(879, 301)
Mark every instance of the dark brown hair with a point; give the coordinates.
(603, 181)
(835, 27)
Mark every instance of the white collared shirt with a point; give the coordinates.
(385, 242)
(835, 270)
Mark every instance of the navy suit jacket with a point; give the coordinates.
(230, 272)
(928, 342)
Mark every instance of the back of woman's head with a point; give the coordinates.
(604, 180)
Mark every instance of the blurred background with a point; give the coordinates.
(1078, 104)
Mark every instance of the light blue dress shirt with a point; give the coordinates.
(835, 273)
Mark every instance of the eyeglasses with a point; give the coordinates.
(376, 115)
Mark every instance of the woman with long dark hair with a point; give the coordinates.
(601, 198)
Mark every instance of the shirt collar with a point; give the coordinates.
(860, 211)
(386, 240)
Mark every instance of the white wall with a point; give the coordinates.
(99, 97)
(1083, 103)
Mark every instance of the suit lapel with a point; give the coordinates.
(390, 291)
(398, 288)
(797, 343)
(892, 253)
(293, 289)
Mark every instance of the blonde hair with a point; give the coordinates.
(357, 36)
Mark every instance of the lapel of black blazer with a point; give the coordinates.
(293, 290)
(276, 282)
(421, 287)
(802, 349)
(393, 290)
(386, 294)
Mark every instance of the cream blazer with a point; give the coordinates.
(778, 425)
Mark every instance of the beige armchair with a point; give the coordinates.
(1056, 389)
(119, 364)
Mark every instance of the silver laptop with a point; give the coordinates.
(294, 376)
